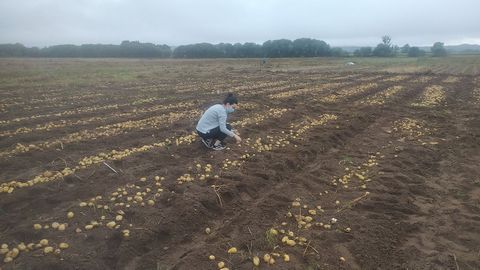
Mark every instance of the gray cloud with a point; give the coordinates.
(339, 22)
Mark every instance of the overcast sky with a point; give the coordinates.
(176, 22)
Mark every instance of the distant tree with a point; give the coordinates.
(12, 50)
(415, 52)
(387, 40)
(199, 50)
(226, 49)
(138, 49)
(395, 50)
(238, 50)
(307, 47)
(384, 49)
(251, 50)
(338, 52)
(438, 49)
(278, 48)
(363, 52)
(405, 48)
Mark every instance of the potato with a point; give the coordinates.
(119, 218)
(286, 257)
(47, 250)
(111, 224)
(14, 253)
(291, 242)
(43, 242)
(221, 265)
(232, 250)
(256, 261)
(211, 257)
(22, 246)
(70, 215)
(37, 226)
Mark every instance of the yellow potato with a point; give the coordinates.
(256, 261)
(291, 242)
(14, 253)
(22, 246)
(111, 224)
(70, 215)
(232, 250)
(61, 227)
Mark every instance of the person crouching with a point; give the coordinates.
(212, 126)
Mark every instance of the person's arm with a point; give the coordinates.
(222, 118)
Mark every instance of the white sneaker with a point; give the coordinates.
(218, 147)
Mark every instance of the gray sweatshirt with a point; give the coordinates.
(213, 117)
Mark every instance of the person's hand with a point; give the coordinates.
(236, 132)
(237, 138)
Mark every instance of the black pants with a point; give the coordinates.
(214, 134)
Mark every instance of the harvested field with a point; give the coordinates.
(367, 168)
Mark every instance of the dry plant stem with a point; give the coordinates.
(456, 263)
(349, 204)
(216, 189)
(104, 163)
(308, 246)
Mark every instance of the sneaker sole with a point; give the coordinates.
(206, 144)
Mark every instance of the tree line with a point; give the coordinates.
(387, 49)
(302, 47)
(133, 49)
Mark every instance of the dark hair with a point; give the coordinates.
(230, 99)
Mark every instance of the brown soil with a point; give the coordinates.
(422, 209)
